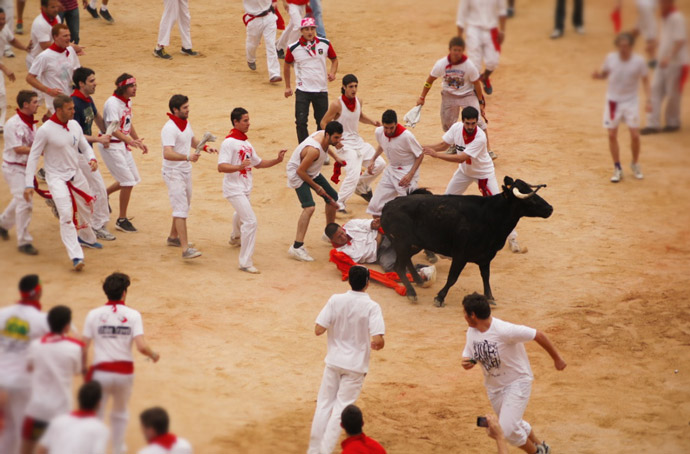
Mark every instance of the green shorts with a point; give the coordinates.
(304, 192)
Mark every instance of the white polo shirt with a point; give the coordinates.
(19, 325)
(17, 133)
(310, 63)
(41, 32)
(501, 352)
(362, 247)
(181, 141)
(624, 76)
(481, 13)
(401, 150)
(233, 151)
(76, 433)
(479, 165)
(113, 328)
(673, 30)
(351, 319)
(179, 446)
(55, 360)
(457, 79)
(120, 110)
(294, 180)
(54, 70)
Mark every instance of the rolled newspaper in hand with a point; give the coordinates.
(207, 137)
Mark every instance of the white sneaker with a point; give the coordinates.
(636, 171)
(300, 254)
(250, 269)
(617, 175)
(428, 274)
(493, 155)
(514, 246)
(191, 253)
(103, 234)
(556, 34)
(235, 242)
(580, 30)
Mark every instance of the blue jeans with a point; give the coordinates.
(315, 6)
(71, 18)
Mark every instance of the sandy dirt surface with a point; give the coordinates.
(606, 277)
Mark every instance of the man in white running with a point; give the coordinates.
(20, 324)
(296, 10)
(19, 136)
(53, 361)
(177, 139)
(6, 39)
(355, 326)
(78, 432)
(405, 157)
(175, 11)
(236, 159)
(58, 141)
(304, 176)
(357, 153)
(41, 29)
(112, 329)
(475, 164)
(499, 347)
(624, 70)
(155, 426)
(260, 20)
(118, 156)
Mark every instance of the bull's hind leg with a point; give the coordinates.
(399, 268)
(485, 271)
(456, 268)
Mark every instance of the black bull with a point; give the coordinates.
(466, 228)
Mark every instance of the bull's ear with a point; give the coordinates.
(508, 181)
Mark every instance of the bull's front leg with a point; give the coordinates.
(456, 268)
(415, 274)
(400, 270)
(485, 271)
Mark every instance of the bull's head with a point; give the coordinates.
(526, 194)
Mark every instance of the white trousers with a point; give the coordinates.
(291, 32)
(480, 47)
(266, 27)
(356, 178)
(120, 163)
(101, 213)
(3, 96)
(18, 212)
(339, 388)
(175, 11)
(244, 226)
(119, 387)
(179, 191)
(509, 403)
(389, 188)
(10, 436)
(63, 203)
(666, 84)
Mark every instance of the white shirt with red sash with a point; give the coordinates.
(177, 133)
(20, 324)
(235, 149)
(54, 68)
(479, 165)
(79, 432)
(55, 359)
(402, 148)
(167, 444)
(458, 79)
(112, 328)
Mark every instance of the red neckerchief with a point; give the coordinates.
(84, 414)
(351, 104)
(115, 304)
(309, 45)
(52, 22)
(669, 12)
(126, 101)
(236, 134)
(165, 440)
(82, 96)
(54, 47)
(359, 437)
(180, 123)
(32, 303)
(468, 138)
(399, 129)
(28, 119)
(57, 120)
(450, 63)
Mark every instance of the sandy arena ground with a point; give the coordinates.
(606, 277)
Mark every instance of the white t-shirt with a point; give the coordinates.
(113, 329)
(181, 446)
(501, 352)
(479, 165)
(234, 151)
(55, 359)
(457, 79)
(19, 325)
(672, 31)
(310, 65)
(116, 109)
(624, 76)
(351, 319)
(294, 180)
(17, 134)
(255, 7)
(481, 13)
(54, 70)
(41, 32)
(362, 247)
(181, 141)
(6, 36)
(402, 150)
(76, 434)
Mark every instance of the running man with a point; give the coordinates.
(304, 176)
(236, 159)
(260, 20)
(499, 347)
(624, 70)
(41, 29)
(175, 11)
(92, 7)
(357, 153)
(296, 9)
(6, 39)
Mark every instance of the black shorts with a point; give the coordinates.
(304, 192)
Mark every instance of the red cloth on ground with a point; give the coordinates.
(344, 262)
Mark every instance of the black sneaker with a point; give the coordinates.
(281, 54)
(367, 196)
(92, 11)
(105, 14)
(28, 249)
(124, 225)
(189, 52)
(161, 53)
(4, 234)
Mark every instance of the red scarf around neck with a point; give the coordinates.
(32, 303)
(669, 12)
(468, 138)
(126, 101)
(54, 47)
(236, 134)
(82, 96)
(399, 129)
(180, 123)
(165, 440)
(450, 63)
(309, 45)
(28, 119)
(115, 304)
(84, 414)
(53, 22)
(57, 120)
(350, 103)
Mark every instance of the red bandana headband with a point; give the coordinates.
(130, 81)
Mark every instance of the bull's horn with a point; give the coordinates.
(520, 195)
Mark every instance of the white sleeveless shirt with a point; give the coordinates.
(294, 181)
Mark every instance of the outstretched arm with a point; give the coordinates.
(546, 344)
